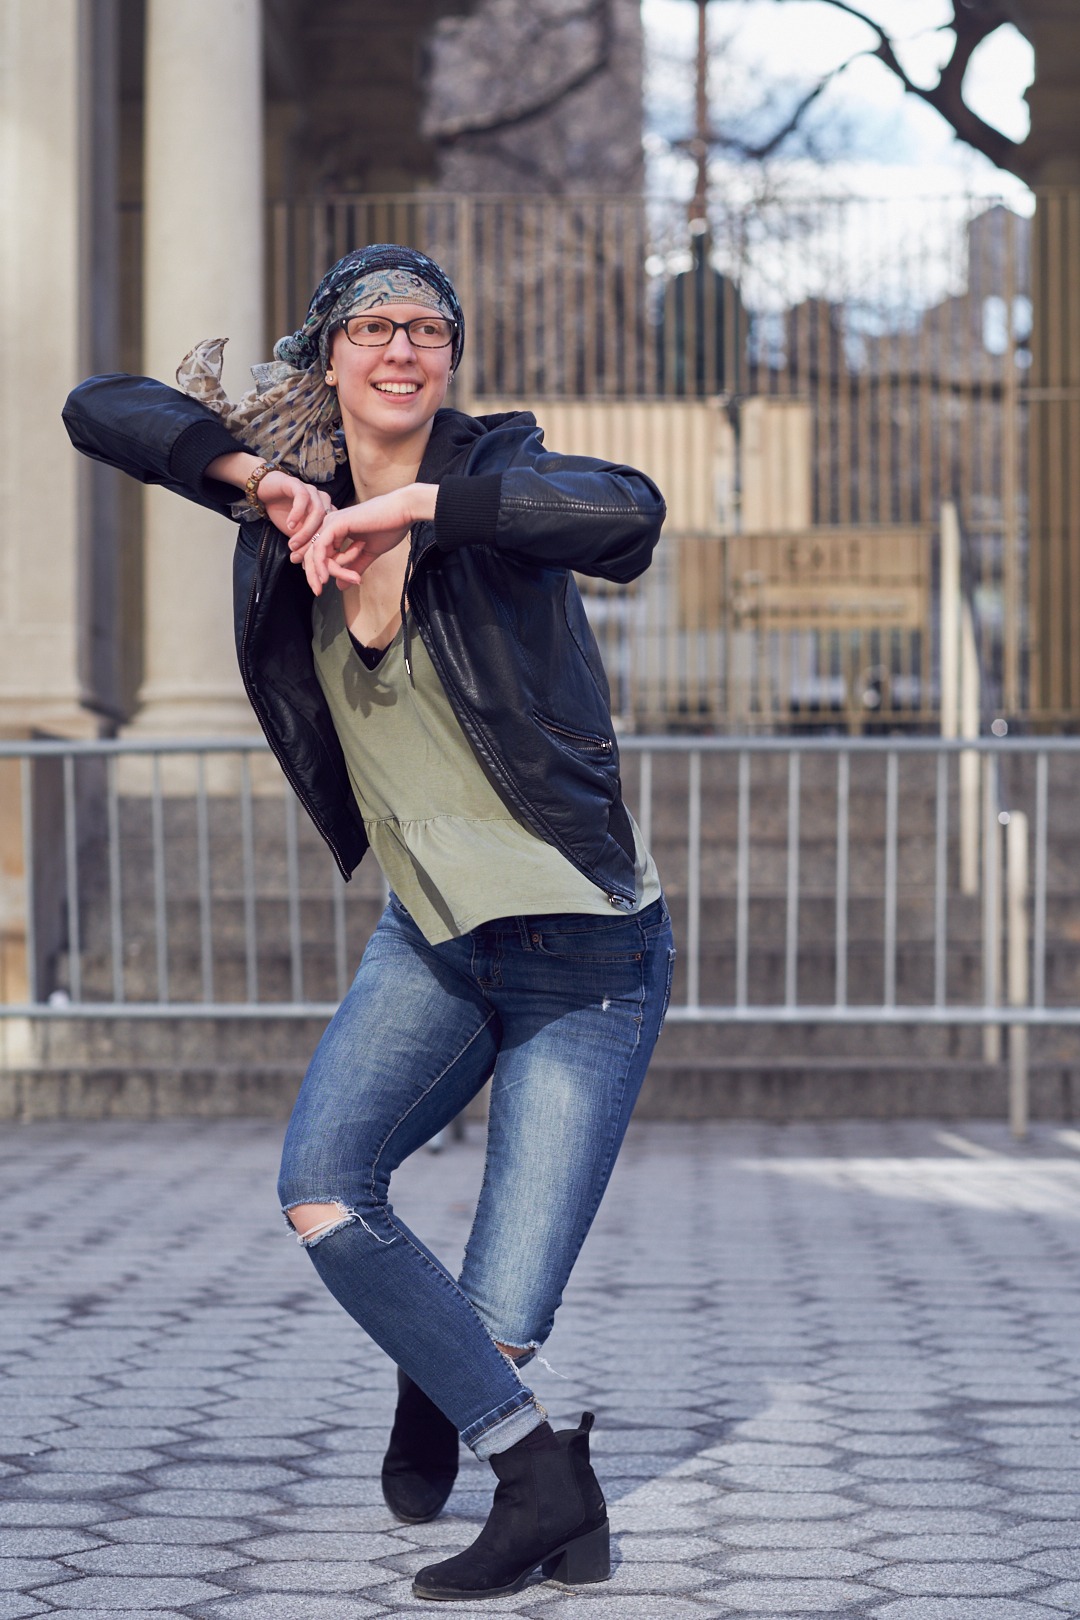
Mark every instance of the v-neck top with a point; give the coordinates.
(450, 847)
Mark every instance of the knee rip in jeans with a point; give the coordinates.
(323, 1229)
(520, 1355)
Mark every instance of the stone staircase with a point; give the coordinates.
(247, 1065)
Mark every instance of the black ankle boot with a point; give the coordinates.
(549, 1511)
(421, 1461)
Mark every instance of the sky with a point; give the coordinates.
(878, 141)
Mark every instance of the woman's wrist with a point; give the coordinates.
(235, 468)
(422, 498)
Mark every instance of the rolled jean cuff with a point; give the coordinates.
(504, 1427)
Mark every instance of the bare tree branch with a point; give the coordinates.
(759, 151)
(596, 11)
(971, 23)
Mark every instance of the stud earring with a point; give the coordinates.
(331, 380)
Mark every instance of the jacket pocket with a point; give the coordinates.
(586, 742)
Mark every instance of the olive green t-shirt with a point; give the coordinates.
(449, 846)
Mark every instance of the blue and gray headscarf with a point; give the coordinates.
(291, 417)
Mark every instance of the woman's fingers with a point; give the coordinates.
(300, 503)
(315, 517)
(345, 575)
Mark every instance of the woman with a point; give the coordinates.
(429, 682)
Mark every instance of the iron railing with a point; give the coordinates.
(156, 869)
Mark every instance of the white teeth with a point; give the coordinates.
(398, 388)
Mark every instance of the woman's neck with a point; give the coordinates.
(380, 466)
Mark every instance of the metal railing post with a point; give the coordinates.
(969, 759)
(1017, 976)
(991, 910)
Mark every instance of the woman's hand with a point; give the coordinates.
(349, 541)
(293, 507)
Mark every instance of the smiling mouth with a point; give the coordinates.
(399, 388)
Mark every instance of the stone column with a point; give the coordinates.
(53, 116)
(1052, 156)
(202, 277)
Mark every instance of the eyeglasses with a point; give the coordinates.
(376, 331)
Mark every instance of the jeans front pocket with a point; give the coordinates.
(587, 939)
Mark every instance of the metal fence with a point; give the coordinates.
(811, 880)
(870, 360)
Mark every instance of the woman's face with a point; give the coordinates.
(390, 392)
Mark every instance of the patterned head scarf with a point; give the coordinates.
(291, 417)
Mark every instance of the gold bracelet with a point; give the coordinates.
(251, 488)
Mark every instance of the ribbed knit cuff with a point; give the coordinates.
(467, 511)
(196, 448)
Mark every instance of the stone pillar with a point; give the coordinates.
(1052, 157)
(57, 117)
(202, 277)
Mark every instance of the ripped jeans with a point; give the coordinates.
(562, 1012)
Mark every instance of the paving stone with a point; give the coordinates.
(198, 1504)
(274, 1606)
(134, 1558)
(620, 1608)
(941, 1493)
(14, 1606)
(1065, 1596)
(44, 1543)
(44, 1514)
(115, 1594)
(1047, 1507)
(930, 1521)
(640, 1549)
(781, 1505)
(820, 1563)
(797, 1534)
(17, 1574)
(76, 1460)
(1061, 1561)
(959, 1608)
(312, 1546)
(981, 1579)
(161, 1531)
(312, 1575)
(246, 1448)
(788, 1597)
(945, 1547)
(221, 1477)
(84, 1484)
(657, 1577)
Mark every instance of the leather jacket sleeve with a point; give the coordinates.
(152, 432)
(595, 517)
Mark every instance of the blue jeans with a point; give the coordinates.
(562, 1013)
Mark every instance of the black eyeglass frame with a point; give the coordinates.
(401, 326)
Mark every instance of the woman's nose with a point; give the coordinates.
(400, 346)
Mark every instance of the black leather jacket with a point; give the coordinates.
(492, 594)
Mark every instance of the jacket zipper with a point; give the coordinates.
(580, 739)
(289, 774)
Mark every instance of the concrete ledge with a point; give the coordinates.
(158, 1091)
(782, 1089)
(777, 1089)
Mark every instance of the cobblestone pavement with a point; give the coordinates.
(835, 1369)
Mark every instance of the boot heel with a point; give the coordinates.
(582, 1561)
